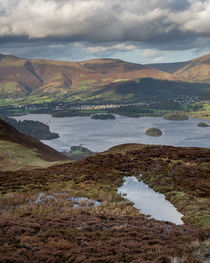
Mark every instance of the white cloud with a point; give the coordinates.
(159, 59)
(150, 53)
(104, 21)
(116, 47)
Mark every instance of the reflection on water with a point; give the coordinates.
(56, 197)
(100, 135)
(149, 202)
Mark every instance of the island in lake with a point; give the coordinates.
(70, 113)
(202, 124)
(103, 117)
(155, 132)
(78, 152)
(175, 116)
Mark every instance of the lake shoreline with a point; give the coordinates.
(100, 135)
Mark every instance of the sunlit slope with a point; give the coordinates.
(19, 151)
(196, 70)
(21, 77)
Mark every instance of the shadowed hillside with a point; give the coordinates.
(148, 88)
(168, 67)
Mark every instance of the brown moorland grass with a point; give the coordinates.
(114, 231)
(85, 237)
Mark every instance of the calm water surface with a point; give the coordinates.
(149, 202)
(100, 135)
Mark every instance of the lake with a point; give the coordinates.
(100, 135)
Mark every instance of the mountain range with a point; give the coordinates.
(96, 79)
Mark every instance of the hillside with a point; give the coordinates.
(43, 218)
(168, 67)
(21, 151)
(197, 70)
(150, 89)
(43, 82)
(36, 129)
(21, 77)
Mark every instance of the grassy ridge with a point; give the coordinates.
(18, 151)
(14, 156)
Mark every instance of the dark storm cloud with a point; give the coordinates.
(179, 5)
(163, 24)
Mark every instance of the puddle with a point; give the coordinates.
(148, 201)
(83, 201)
(43, 197)
(78, 201)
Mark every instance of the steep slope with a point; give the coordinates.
(21, 77)
(168, 67)
(18, 150)
(197, 70)
(17, 77)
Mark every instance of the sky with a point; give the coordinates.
(141, 31)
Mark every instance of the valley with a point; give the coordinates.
(104, 131)
(60, 199)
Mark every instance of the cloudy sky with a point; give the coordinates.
(143, 31)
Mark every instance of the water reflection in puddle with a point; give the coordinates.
(148, 201)
(55, 197)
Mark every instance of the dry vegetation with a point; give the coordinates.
(39, 221)
(58, 76)
(196, 70)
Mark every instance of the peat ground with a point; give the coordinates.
(114, 231)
